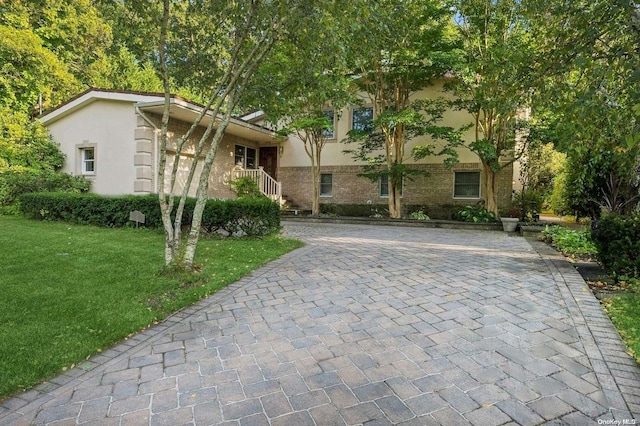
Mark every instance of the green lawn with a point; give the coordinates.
(624, 311)
(69, 291)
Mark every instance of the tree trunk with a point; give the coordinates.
(315, 177)
(490, 190)
(395, 208)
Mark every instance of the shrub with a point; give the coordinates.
(253, 217)
(17, 181)
(476, 213)
(569, 241)
(246, 187)
(617, 239)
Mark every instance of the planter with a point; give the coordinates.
(509, 224)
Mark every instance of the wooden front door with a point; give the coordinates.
(269, 160)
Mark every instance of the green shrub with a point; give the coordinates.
(253, 217)
(418, 215)
(246, 187)
(569, 241)
(617, 239)
(17, 181)
(476, 213)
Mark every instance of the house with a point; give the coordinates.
(112, 138)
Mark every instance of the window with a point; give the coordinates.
(245, 157)
(362, 119)
(88, 161)
(329, 133)
(326, 184)
(466, 185)
(384, 186)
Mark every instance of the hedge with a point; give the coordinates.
(617, 239)
(18, 181)
(254, 217)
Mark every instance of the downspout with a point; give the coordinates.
(156, 148)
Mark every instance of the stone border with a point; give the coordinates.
(616, 371)
(443, 224)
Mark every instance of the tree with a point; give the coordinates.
(403, 47)
(311, 84)
(494, 83)
(592, 49)
(220, 58)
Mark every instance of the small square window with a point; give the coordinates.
(329, 133)
(88, 161)
(326, 184)
(466, 185)
(362, 119)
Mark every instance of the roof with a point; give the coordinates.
(180, 108)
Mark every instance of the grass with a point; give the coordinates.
(624, 311)
(69, 291)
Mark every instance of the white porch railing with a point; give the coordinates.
(268, 185)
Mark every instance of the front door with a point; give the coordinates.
(269, 160)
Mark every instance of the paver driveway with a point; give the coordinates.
(366, 324)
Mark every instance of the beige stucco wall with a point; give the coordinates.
(332, 155)
(109, 126)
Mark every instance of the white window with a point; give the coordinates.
(326, 185)
(330, 133)
(245, 157)
(466, 185)
(88, 161)
(384, 186)
(362, 119)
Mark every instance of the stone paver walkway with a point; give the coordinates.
(367, 325)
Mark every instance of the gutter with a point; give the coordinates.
(156, 157)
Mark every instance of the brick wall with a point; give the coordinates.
(222, 164)
(433, 191)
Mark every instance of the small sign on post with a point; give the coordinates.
(136, 216)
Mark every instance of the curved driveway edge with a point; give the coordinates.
(366, 325)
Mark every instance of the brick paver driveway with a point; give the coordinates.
(374, 325)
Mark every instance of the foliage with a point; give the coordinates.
(570, 242)
(476, 213)
(25, 143)
(404, 47)
(18, 181)
(255, 217)
(245, 187)
(624, 311)
(70, 291)
(528, 203)
(617, 239)
(494, 83)
(419, 215)
(591, 62)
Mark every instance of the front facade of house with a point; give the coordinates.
(441, 192)
(112, 138)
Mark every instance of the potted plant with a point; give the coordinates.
(510, 219)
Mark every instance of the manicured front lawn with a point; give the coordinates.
(69, 291)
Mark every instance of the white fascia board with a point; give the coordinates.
(87, 99)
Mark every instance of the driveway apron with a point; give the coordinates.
(367, 325)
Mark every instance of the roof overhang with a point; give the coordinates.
(182, 110)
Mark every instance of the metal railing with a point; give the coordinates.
(268, 185)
